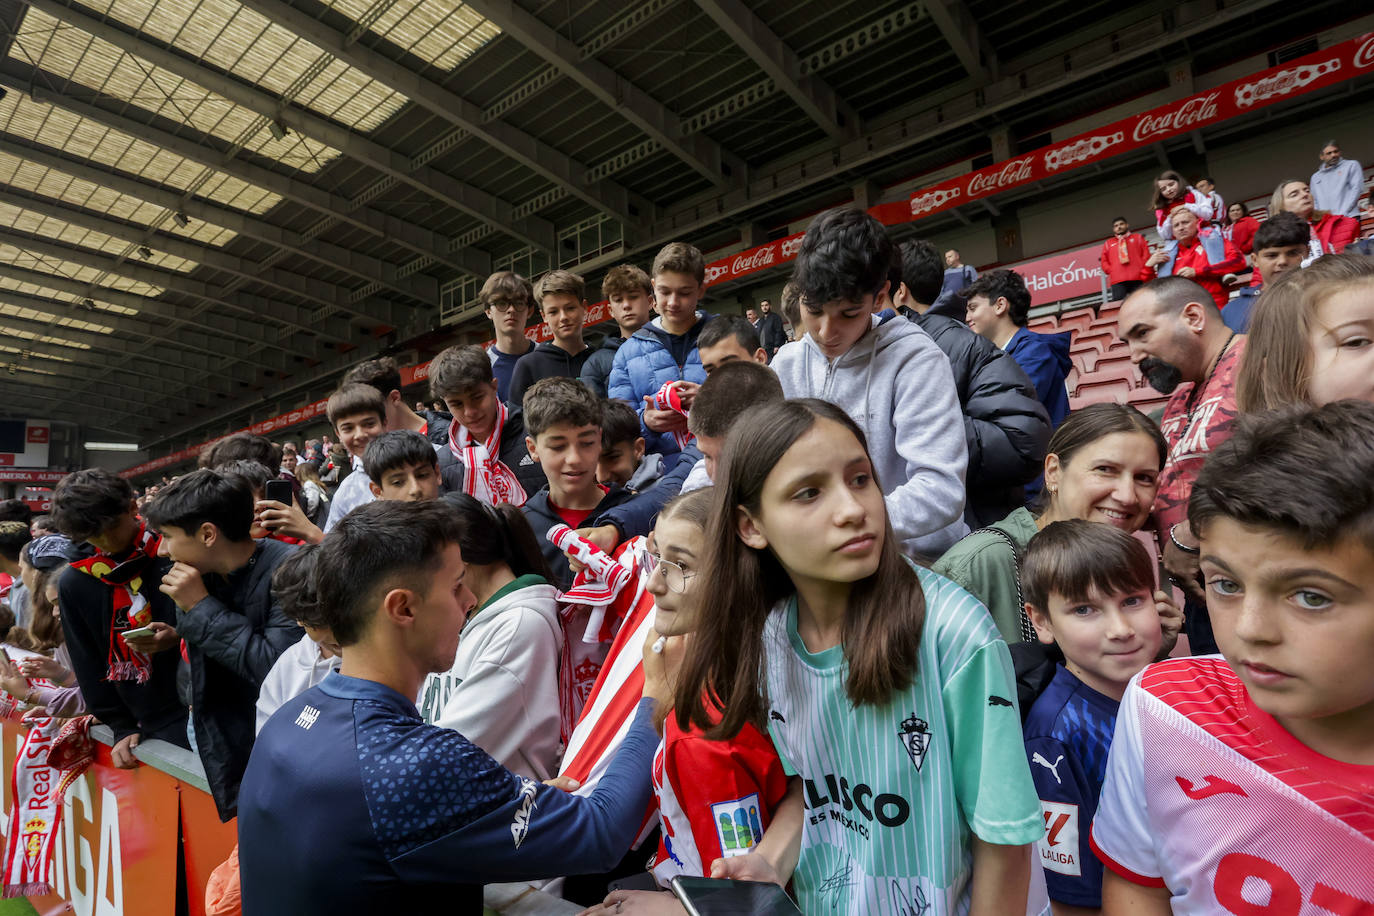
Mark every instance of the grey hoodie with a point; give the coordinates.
(898, 386)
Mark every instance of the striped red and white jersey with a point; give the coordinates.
(1230, 812)
(609, 710)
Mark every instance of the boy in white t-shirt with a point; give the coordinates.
(1245, 783)
(304, 664)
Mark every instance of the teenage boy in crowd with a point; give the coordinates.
(1202, 255)
(231, 626)
(727, 394)
(401, 465)
(890, 378)
(998, 308)
(1179, 343)
(630, 296)
(563, 433)
(385, 375)
(358, 414)
(1006, 427)
(1089, 589)
(665, 349)
(411, 817)
(1280, 246)
(562, 299)
(14, 535)
(487, 437)
(729, 337)
(623, 461)
(1212, 755)
(113, 586)
(507, 299)
(316, 654)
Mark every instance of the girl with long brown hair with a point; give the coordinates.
(884, 686)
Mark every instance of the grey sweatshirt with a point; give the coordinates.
(898, 386)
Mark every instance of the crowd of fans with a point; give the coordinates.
(870, 613)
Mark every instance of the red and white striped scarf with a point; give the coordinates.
(55, 752)
(129, 609)
(487, 479)
(667, 398)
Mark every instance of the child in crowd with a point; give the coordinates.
(14, 535)
(888, 689)
(665, 349)
(623, 461)
(1310, 334)
(501, 691)
(563, 434)
(630, 296)
(726, 338)
(1242, 783)
(891, 378)
(1089, 589)
(1171, 192)
(728, 394)
(507, 299)
(384, 374)
(402, 465)
(562, 299)
(57, 692)
(232, 627)
(113, 586)
(486, 436)
(715, 797)
(1280, 246)
(998, 309)
(358, 414)
(410, 817)
(316, 654)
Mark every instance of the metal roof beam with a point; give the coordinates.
(293, 318)
(108, 392)
(965, 38)
(204, 150)
(771, 53)
(457, 194)
(21, 400)
(421, 287)
(704, 155)
(169, 354)
(536, 155)
(318, 291)
(163, 377)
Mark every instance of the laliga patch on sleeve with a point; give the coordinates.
(1059, 846)
(739, 825)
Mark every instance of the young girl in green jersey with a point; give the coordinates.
(884, 686)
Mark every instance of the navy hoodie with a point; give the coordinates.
(1045, 358)
(545, 361)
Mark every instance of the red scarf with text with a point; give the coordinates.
(487, 479)
(130, 610)
(54, 754)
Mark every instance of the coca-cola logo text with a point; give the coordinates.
(751, 261)
(1013, 172)
(1364, 55)
(1194, 111)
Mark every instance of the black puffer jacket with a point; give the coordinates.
(514, 455)
(233, 638)
(1006, 427)
(596, 371)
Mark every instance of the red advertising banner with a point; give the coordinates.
(1066, 275)
(1318, 70)
(1314, 71)
(25, 476)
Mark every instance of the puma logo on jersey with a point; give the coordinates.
(520, 827)
(1214, 785)
(995, 700)
(1052, 767)
(776, 716)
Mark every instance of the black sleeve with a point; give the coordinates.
(520, 379)
(1007, 426)
(84, 602)
(636, 515)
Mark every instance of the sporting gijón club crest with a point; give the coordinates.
(915, 738)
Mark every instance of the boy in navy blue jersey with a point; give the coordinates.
(409, 817)
(1089, 588)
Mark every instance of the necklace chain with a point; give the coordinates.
(1195, 394)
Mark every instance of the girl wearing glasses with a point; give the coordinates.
(715, 797)
(884, 686)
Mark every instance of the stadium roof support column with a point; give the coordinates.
(965, 38)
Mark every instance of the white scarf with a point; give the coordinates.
(487, 479)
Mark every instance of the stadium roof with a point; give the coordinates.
(209, 204)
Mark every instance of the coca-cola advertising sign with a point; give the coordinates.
(1314, 71)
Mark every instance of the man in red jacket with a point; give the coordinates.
(1201, 256)
(1123, 259)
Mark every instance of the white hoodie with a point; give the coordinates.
(896, 383)
(502, 691)
(296, 670)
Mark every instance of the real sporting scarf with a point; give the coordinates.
(487, 479)
(587, 627)
(54, 754)
(129, 609)
(667, 398)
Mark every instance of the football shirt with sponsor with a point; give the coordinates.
(715, 798)
(1230, 812)
(1068, 734)
(892, 792)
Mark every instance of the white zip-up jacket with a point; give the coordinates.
(898, 386)
(502, 691)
